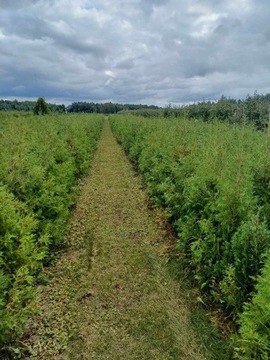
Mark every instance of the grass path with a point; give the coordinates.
(110, 295)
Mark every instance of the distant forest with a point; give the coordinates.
(76, 107)
(253, 109)
(15, 105)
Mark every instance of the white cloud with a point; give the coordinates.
(206, 24)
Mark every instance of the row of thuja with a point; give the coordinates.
(214, 182)
(41, 160)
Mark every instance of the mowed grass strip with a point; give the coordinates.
(135, 310)
(110, 294)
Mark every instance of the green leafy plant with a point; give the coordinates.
(40, 164)
(254, 339)
(213, 181)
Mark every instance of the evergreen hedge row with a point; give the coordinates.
(41, 159)
(213, 179)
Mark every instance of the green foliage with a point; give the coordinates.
(22, 252)
(41, 107)
(254, 340)
(213, 181)
(23, 106)
(40, 162)
(254, 110)
(107, 108)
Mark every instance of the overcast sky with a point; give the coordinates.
(134, 51)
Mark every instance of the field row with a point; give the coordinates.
(213, 180)
(41, 159)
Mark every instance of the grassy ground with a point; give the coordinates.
(110, 295)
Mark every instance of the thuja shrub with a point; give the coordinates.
(254, 339)
(41, 160)
(21, 255)
(213, 182)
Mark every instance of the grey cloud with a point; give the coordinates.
(134, 51)
(15, 4)
(80, 46)
(26, 26)
(148, 5)
(125, 64)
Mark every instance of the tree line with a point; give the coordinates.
(15, 105)
(253, 109)
(106, 108)
(75, 107)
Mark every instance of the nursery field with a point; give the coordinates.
(89, 250)
(110, 295)
(213, 180)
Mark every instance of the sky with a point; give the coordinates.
(134, 51)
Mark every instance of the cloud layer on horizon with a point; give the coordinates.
(134, 51)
